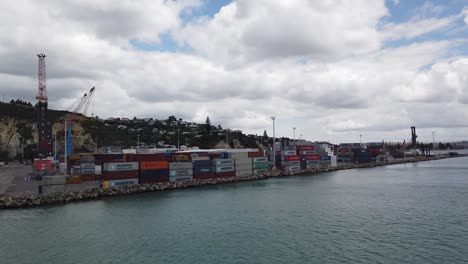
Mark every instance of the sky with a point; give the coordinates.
(334, 69)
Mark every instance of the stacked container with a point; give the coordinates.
(120, 171)
(54, 184)
(243, 163)
(260, 165)
(203, 169)
(290, 161)
(180, 171)
(154, 171)
(87, 168)
(310, 162)
(224, 168)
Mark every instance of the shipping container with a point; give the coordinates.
(118, 175)
(88, 177)
(42, 165)
(182, 157)
(325, 158)
(180, 178)
(261, 165)
(87, 171)
(181, 172)
(203, 170)
(225, 174)
(255, 154)
(154, 157)
(120, 166)
(54, 180)
(87, 165)
(120, 183)
(224, 168)
(201, 163)
(301, 148)
(47, 189)
(98, 169)
(291, 168)
(204, 176)
(291, 163)
(244, 172)
(292, 157)
(243, 161)
(288, 152)
(180, 165)
(223, 162)
(260, 159)
(154, 165)
(311, 157)
(238, 155)
(307, 152)
(154, 173)
(151, 180)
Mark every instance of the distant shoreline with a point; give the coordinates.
(30, 201)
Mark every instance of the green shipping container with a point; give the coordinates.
(261, 165)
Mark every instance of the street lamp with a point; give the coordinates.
(274, 139)
(433, 143)
(178, 134)
(360, 140)
(138, 141)
(294, 135)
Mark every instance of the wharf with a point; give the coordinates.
(34, 200)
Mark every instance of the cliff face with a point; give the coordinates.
(18, 131)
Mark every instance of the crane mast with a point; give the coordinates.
(44, 148)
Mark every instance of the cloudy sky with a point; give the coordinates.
(335, 69)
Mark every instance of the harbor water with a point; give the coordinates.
(408, 213)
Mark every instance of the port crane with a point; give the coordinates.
(82, 104)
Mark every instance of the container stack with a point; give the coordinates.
(203, 169)
(53, 184)
(290, 161)
(327, 156)
(180, 171)
(153, 172)
(260, 165)
(243, 164)
(310, 162)
(224, 168)
(116, 174)
(88, 168)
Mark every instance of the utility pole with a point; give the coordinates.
(294, 135)
(138, 141)
(360, 140)
(65, 151)
(274, 142)
(178, 134)
(55, 145)
(433, 142)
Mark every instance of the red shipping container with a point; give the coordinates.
(312, 157)
(154, 165)
(88, 177)
(256, 154)
(344, 150)
(119, 175)
(42, 165)
(300, 148)
(225, 174)
(204, 176)
(292, 157)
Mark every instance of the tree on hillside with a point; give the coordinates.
(208, 125)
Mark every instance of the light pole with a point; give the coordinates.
(178, 134)
(138, 141)
(294, 135)
(360, 140)
(433, 142)
(274, 141)
(65, 151)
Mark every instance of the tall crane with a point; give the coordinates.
(44, 146)
(82, 104)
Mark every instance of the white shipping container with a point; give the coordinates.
(238, 155)
(55, 180)
(260, 171)
(291, 163)
(200, 158)
(292, 168)
(120, 166)
(260, 159)
(98, 169)
(120, 183)
(225, 168)
(243, 172)
(223, 162)
(180, 165)
(308, 152)
(87, 165)
(244, 161)
(46, 189)
(288, 152)
(180, 178)
(129, 151)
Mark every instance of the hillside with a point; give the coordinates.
(18, 121)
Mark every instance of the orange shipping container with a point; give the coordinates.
(154, 165)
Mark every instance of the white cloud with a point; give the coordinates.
(325, 71)
(245, 31)
(465, 14)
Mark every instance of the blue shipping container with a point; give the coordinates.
(201, 163)
(154, 173)
(203, 170)
(325, 158)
